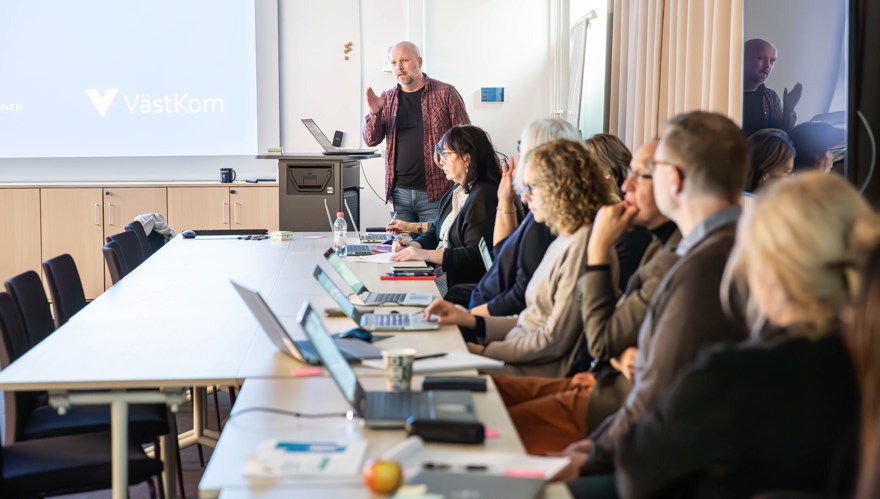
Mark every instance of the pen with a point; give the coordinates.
(431, 356)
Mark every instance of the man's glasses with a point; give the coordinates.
(639, 175)
(651, 165)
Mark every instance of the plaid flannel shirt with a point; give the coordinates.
(442, 109)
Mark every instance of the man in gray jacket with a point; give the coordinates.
(698, 171)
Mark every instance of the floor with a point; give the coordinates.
(192, 471)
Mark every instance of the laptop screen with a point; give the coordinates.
(269, 322)
(318, 134)
(338, 296)
(332, 358)
(347, 275)
(485, 254)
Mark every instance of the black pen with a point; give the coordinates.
(432, 356)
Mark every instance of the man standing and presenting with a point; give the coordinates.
(412, 117)
(761, 106)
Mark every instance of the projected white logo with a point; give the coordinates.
(102, 102)
(144, 104)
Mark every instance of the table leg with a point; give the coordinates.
(119, 444)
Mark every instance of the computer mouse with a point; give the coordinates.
(188, 234)
(358, 334)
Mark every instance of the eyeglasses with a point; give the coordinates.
(441, 155)
(639, 176)
(651, 163)
(530, 188)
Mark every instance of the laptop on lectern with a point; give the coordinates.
(382, 409)
(329, 148)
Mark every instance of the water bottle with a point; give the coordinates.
(339, 237)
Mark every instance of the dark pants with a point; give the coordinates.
(412, 205)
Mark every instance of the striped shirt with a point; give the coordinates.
(442, 109)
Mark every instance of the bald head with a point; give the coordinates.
(759, 56)
(407, 63)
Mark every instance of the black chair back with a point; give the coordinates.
(131, 248)
(14, 342)
(115, 261)
(33, 304)
(138, 229)
(65, 287)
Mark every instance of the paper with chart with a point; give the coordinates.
(324, 458)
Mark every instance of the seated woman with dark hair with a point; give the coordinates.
(565, 188)
(466, 212)
(771, 157)
(778, 412)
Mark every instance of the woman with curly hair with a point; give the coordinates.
(564, 187)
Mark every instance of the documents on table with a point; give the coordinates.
(452, 361)
(306, 459)
(414, 457)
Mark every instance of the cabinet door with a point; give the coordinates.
(20, 226)
(254, 207)
(122, 204)
(198, 208)
(73, 222)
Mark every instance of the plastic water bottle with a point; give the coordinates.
(340, 241)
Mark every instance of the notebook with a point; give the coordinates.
(381, 409)
(372, 322)
(350, 249)
(473, 485)
(329, 148)
(370, 297)
(352, 349)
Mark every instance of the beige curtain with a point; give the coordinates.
(672, 56)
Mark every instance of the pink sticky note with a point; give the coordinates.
(524, 473)
(492, 433)
(306, 371)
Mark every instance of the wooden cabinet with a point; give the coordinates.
(72, 221)
(41, 222)
(237, 207)
(254, 207)
(20, 229)
(122, 204)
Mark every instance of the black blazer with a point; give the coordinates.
(461, 260)
(777, 415)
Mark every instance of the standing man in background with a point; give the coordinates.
(762, 107)
(412, 117)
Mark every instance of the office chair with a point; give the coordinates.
(138, 229)
(65, 287)
(66, 465)
(115, 261)
(27, 291)
(131, 248)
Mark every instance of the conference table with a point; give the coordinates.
(176, 322)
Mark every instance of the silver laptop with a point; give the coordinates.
(372, 322)
(350, 249)
(477, 485)
(382, 409)
(371, 297)
(366, 237)
(353, 349)
(329, 148)
(485, 254)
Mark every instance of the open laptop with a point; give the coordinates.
(372, 322)
(352, 349)
(485, 254)
(329, 148)
(350, 249)
(371, 297)
(366, 237)
(382, 409)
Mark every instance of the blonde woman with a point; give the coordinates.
(565, 188)
(780, 411)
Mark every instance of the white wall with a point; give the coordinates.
(809, 35)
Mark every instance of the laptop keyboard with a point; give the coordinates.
(387, 297)
(391, 320)
(358, 250)
(397, 405)
(376, 238)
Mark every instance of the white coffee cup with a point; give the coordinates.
(398, 368)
